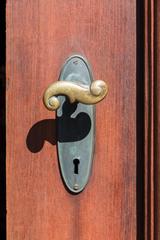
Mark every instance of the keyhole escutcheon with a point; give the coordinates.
(76, 163)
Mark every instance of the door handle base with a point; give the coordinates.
(74, 96)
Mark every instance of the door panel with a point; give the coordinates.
(40, 36)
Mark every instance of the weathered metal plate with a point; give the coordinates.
(76, 124)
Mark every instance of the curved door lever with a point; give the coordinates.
(76, 92)
(74, 96)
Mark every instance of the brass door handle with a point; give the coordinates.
(75, 92)
(75, 119)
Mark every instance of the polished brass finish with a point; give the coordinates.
(75, 92)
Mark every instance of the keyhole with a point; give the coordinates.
(76, 163)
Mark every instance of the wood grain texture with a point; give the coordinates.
(2, 125)
(157, 120)
(40, 36)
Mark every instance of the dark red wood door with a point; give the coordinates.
(40, 36)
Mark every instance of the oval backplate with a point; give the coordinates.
(76, 124)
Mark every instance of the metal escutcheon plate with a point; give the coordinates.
(76, 124)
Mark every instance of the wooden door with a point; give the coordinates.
(40, 36)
